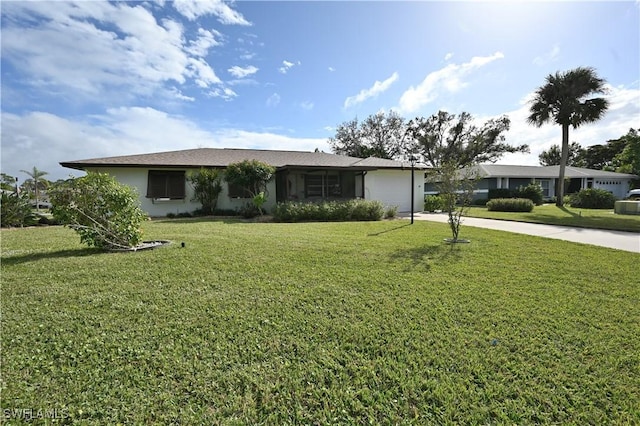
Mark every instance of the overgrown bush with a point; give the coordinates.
(207, 186)
(593, 198)
(329, 211)
(15, 210)
(510, 205)
(391, 212)
(105, 213)
(533, 191)
(433, 203)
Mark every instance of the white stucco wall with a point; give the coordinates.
(137, 178)
(393, 188)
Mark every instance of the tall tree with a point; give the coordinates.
(553, 156)
(566, 100)
(36, 175)
(379, 135)
(628, 161)
(449, 138)
(451, 144)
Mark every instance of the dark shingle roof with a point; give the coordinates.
(215, 157)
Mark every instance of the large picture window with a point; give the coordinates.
(322, 185)
(166, 184)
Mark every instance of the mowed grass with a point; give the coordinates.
(567, 216)
(320, 323)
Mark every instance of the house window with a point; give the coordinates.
(544, 184)
(166, 184)
(322, 185)
(237, 191)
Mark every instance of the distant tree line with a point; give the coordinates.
(620, 155)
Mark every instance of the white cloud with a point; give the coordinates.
(240, 72)
(206, 40)
(377, 88)
(548, 57)
(331, 69)
(273, 100)
(102, 48)
(286, 66)
(43, 140)
(449, 79)
(192, 9)
(225, 93)
(307, 105)
(448, 56)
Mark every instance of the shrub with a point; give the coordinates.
(207, 187)
(510, 205)
(15, 210)
(104, 212)
(171, 215)
(480, 201)
(499, 193)
(433, 203)
(329, 211)
(391, 212)
(533, 192)
(593, 198)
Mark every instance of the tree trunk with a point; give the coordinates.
(563, 165)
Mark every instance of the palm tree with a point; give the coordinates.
(566, 100)
(36, 175)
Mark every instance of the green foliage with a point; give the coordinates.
(320, 324)
(628, 161)
(252, 175)
(104, 212)
(7, 183)
(433, 203)
(445, 138)
(456, 186)
(510, 205)
(593, 198)
(207, 187)
(15, 210)
(391, 212)
(533, 191)
(552, 157)
(379, 135)
(327, 211)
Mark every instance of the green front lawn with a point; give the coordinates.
(320, 323)
(567, 216)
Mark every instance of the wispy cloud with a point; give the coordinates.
(139, 55)
(273, 100)
(306, 105)
(193, 9)
(377, 88)
(448, 56)
(286, 66)
(240, 72)
(448, 79)
(332, 69)
(548, 57)
(223, 92)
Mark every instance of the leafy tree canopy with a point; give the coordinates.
(445, 138)
(552, 156)
(379, 135)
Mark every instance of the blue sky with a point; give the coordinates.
(91, 79)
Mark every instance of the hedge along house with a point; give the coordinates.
(496, 176)
(161, 178)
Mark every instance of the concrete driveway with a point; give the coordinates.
(627, 241)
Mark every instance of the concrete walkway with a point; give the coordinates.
(627, 241)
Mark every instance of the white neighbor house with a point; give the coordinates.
(161, 178)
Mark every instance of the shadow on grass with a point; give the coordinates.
(375, 234)
(569, 212)
(428, 255)
(61, 254)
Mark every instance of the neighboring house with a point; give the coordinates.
(161, 178)
(495, 176)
